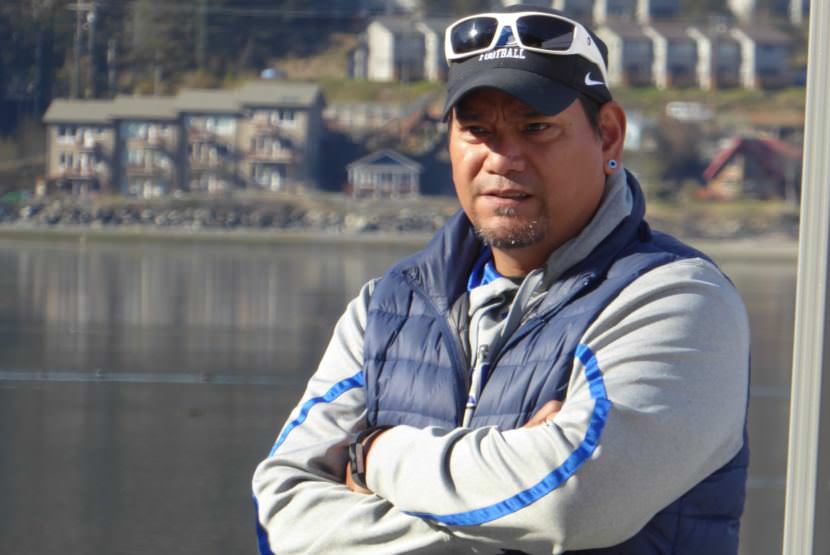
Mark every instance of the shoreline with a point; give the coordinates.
(275, 236)
(763, 248)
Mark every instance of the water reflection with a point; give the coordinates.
(198, 308)
(140, 383)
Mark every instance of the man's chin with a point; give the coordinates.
(516, 235)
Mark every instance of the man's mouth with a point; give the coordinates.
(509, 194)
(506, 197)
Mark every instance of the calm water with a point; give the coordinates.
(141, 383)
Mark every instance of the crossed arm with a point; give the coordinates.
(543, 415)
(673, 352)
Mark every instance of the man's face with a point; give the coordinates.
(527, 181)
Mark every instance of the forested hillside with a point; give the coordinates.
(142, 46)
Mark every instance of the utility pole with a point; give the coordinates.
(157, 73)
(84, 12)
(112, 77)
(201, 36)
(76, 74)
(41, 11)
(90, 69)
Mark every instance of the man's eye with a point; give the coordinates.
(475, 130)
(537, 126)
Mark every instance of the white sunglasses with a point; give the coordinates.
(535, 31)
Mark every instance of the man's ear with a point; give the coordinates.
(612, 131)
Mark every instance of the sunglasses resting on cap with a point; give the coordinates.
(534, 31)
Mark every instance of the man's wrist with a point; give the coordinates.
(358, 453)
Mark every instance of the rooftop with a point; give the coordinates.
(64, 110)
(277, 93)
(207, 101)
(144, 107)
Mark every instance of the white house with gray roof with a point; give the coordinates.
(630, 54)
(265, 134)
(610, 10)
(385, 173)
(642, 11)
(795, 10)
(582, 10)
(401, 48)
(765, 57)
(396, 50)
(650, 10)
(675, 55)
(718, 57)
(435, 65)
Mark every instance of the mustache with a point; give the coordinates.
(502, 185)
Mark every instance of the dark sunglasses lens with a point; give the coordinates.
(549, 33)
(473, 34)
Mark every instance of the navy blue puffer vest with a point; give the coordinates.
(417, 372)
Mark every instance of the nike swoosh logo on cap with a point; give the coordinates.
(590, 82)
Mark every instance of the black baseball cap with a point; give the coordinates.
(547, 82)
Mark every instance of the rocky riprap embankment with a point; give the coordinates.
(225, 216)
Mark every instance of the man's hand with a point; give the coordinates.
(350, 484)
(544, 414)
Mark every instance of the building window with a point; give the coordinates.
(66, 133)
(221, 125)
(135, 157)
(66, 160)
(283, 116)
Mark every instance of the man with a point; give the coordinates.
(548, 374)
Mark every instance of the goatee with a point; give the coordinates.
(515, 236)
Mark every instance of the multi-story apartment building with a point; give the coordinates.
(263, 135)
(147, 157)
(80, 140)
(279, 134)
(210, 124)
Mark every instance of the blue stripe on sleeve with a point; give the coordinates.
(261, 534)
(602, 405)
(333, 393)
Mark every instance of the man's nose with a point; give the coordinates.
(504, 158)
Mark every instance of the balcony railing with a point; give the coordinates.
(148, 170)
(269, 155)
